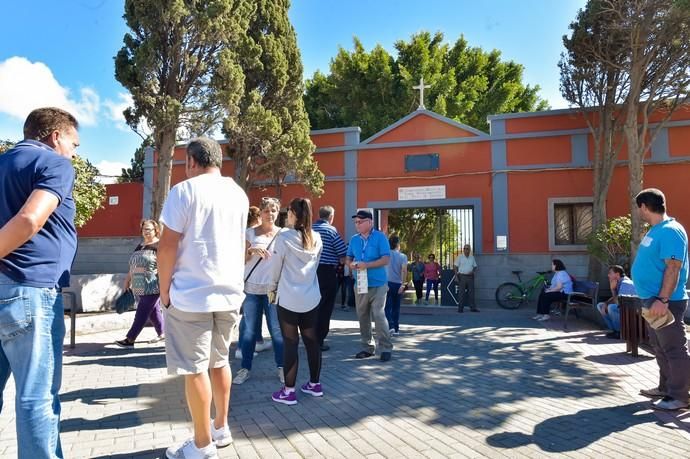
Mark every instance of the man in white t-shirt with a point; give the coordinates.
(465, 267)
(201, 268)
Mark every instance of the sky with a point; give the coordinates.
(60, 53)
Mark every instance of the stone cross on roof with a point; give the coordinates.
(421, 86)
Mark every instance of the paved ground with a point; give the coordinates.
(493, 384)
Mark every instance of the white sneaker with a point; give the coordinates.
(238, 354)
(221, 437)
(241, 377)
(544, 317)
(188, 450)
(537, 317)
(281, 375)
(263, 346)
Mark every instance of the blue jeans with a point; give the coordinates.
(431, 283)
(32, 330)
(393, 306)
(612, 319)
(254, 306)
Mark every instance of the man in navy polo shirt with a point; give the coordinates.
(333, 252)
(660, 272)
(369, 250)
(38, 242)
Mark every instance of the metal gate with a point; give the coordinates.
(456, 228)
(441, 231)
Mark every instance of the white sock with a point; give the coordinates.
(289, 390)
(208, 448)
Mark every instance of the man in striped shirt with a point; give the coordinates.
(333, 253)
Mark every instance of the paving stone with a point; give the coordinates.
(488, 385)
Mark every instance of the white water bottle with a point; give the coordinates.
(362, 281)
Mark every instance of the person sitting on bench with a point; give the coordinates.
(620, 285)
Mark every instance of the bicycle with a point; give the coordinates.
(510, 295)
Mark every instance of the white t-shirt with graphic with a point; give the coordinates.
(210, 211)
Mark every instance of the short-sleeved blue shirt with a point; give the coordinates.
(371, 249)
(664, 241)
(45, 260)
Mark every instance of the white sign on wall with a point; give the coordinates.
(410, 193)
(113, 200)
(501, 242)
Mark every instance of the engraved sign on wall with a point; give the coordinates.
(410, 193)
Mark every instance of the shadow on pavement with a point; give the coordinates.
(617, 358)
(462, 370)
(589, 425)
(160, 453)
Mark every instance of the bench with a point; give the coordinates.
(585, 294)
(90, 293)
(633, 328)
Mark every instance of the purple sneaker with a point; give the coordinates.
(313, 389)
(283, 397)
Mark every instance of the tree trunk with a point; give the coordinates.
(242, 158)
(166, 150)
(636, 171)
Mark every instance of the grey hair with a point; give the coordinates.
(206, 152)
(326, 212)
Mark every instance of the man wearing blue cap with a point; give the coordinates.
(369, 251)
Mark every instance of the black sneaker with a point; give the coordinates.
(613, 335)
(124, 343)
(385, 356)
(363, 355)
(325, 347)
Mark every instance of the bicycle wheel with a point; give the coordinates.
(509, 295)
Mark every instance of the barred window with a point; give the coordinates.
(572, 223)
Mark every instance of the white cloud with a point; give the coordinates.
(26, 85)
(114, 110)
(110, 170)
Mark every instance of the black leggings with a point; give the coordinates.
(307, 323)
(545, 300)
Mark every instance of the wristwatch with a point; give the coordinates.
(662, 299)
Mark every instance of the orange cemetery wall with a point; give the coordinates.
(545, 123)
(538, 150)
(422, 127)
(328, 140)
(679, 141)
(332, 164)
(528, 195)
(454, 159)
(118, 220)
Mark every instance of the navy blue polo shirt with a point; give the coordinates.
(45, 260)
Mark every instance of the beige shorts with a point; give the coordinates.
(197, 341)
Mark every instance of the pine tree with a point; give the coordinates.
(167, 62)
(260, 85)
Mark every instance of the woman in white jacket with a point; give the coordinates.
(297, 253)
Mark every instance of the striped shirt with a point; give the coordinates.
(333, 246)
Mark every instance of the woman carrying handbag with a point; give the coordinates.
(143, 279)
(258, 262)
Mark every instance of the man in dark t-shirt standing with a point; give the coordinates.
(38, 242)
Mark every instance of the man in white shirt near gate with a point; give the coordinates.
(201, 274)
(465, 267)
